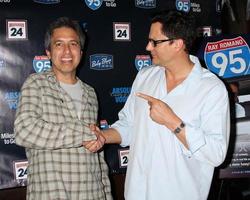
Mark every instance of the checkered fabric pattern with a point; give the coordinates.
(46, 124)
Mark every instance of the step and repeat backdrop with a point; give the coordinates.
(117, 32)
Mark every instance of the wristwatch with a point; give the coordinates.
(179, 128)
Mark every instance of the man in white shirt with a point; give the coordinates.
(175, 120)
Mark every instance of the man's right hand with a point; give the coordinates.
(95, 145)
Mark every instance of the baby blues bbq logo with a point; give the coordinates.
(183, 5)
(101, 62)
(145, 4)
(41, 63)
(120, 94)
(142, 61)
(228, 58)
(11, 98)
(94, 4)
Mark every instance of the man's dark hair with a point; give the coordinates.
(178, 25)
(63, 22)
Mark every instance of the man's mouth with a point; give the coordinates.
(66, 59)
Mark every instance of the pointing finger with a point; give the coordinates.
(150, 99)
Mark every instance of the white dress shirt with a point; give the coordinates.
(160, 167)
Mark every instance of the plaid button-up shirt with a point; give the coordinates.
(46, 124)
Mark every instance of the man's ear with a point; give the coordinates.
(179, 44)
(48, 53)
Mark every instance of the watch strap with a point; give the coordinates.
(179, 128)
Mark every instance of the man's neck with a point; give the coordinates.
(68, 78)
(177, 72)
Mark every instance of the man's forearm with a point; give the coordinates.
(112, 136)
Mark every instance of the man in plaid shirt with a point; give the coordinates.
(52, 123)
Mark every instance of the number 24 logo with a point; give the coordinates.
(16, 31)
(122, 33)
(22, 172)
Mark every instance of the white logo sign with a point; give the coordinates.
(123, 157)
(205, 31)
(121, 31)
(16, 30)
(21, 169)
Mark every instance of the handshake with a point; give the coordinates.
(97, 144)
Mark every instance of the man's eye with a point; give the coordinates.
(74, 43)
(58, 44)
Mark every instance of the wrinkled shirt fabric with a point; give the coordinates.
(160, 167)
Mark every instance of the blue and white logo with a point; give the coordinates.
(94, 4)
(41, 63)
(183, 5)
(11, 98)
(101, 62)
(120, 94)
(228, 58)
(145, 4)
(142, 61)
(47, 1)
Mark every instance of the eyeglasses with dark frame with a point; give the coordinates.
(156, 42)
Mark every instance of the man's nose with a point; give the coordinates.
(149, 46)
(67, 48)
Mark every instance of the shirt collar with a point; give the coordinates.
(192, 79)
(52, 77)
(196, 71)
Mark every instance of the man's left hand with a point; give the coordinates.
(160, 112)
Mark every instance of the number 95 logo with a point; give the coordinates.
(41, 63)
(228, 58)
(182, 5)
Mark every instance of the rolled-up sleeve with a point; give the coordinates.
(208, 142)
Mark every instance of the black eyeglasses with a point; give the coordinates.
(156, 42)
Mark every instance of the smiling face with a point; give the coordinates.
(65, 53)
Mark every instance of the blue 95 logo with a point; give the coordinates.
(94, 4)
(183, 5)
(228, 58)
(142, 61)
(41, 63)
